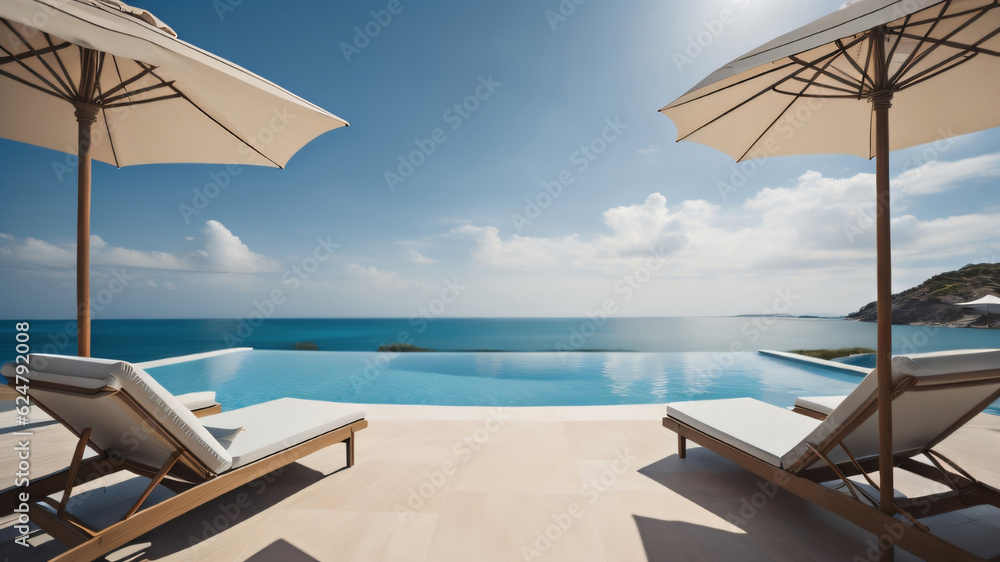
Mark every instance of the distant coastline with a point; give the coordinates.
(150, 339)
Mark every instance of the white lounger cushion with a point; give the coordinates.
(754, 427)
(919, 418)
(277, 425)
(197, 400)
(821, 404)
(120, 429)
(925, 364)
(943, 362)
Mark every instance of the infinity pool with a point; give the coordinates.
(500, 379)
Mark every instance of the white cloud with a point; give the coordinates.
(221, 252)
(820, 225)
(637, 230)
(416, 257)
(224, 252)
(376, 276)
(937, 176)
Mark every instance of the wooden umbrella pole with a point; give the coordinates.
(86, 115)
(884, 306)
(881, 102)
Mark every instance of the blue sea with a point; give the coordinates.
(144, 340)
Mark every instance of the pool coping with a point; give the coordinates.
(815, 361)
(191, 357)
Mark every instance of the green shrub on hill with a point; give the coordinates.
(397, 347)
(829, 354)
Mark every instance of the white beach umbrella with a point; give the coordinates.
(113, 83)
(983, 304)
(829, 87)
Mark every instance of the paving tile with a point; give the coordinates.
(519, 481)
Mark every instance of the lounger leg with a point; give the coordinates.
(350, 449)
(74, 466)
(681, 446)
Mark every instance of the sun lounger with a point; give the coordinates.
(933, 395)
(134, 424)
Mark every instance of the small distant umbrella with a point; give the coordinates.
(114, 83)
(983, 304)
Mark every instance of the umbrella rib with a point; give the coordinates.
(755, 76)
(68, 82)
(861, 16)
(966, 47)
(104, 113)
(733, 85)
(968, 53)
(97, 77)
(113, 99)
(33, 52)
(913, 58)
(148, 100)
(935, 71)
(823, 72)
(848, 94)
(868, 65)
(206, 114)
(782, 112)
(25, 66)
(770, 87)
(231, 65)
(909, 58)
(862, 71)
(122, 83)
(935, 44)
(958, 14)
(59, 95)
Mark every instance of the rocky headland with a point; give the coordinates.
(932, 303)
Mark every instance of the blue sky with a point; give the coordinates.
(471, 229)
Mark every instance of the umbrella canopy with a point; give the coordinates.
(811, 91)
(113, 83)
(829, 87)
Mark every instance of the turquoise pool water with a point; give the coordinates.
(502, 379)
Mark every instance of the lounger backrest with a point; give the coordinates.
(117, 427)
(923, 414)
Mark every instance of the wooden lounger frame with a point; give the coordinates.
(193, 482)
(805, 481)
